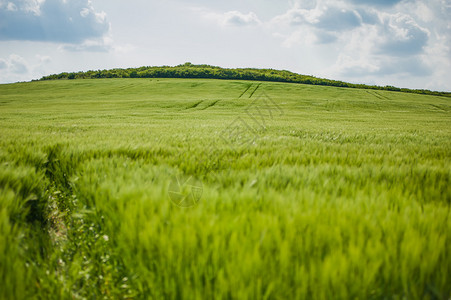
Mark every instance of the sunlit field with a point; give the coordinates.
(298, 191)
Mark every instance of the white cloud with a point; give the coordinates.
(335, 19)
(301, 36)
(298, 16)
(52, 21)
(395, 45)
(365, 41)
(15, 67)
(85, 12)
(43, 59)
(237, 18)
(97, 45)
(229, 18)
(317, 25)
(17, 64)
(357, 66)
(11, 7)
(402, 35)
(423, 12)
(379, 3)
(32, 6)
(3, 64)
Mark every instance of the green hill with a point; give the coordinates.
(189, 70)
(222, 189)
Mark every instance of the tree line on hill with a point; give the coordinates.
(189, 70)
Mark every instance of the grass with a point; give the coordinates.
(308, 192)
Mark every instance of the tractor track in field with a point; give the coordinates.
(253, 92)
(377, 95)
(249, 86)
(210, 105)
(126, 87)
(194, 105)
(438, 107)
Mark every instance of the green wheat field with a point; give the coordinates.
(294, 191)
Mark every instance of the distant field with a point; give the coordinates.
(300, 191)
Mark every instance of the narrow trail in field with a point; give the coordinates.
(248, 87)
(253, 92)
(73, 229)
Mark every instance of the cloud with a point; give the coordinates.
(305, 4)
(394, 34)
(368, 16)
(99, 45)
(231, 18)
(375, 41)
(43, 59)
(380, 66)
(298, 16)
(15, 68)
(15, 64)
(411, 66)
(317, 25)
(324, 37)
(376, 2)
(395, 44)
(334, 19)
(85, 47)
(63, 21)
(236, 18)
(11, 7)
(329, 18)
(402, 36)
(3, 64)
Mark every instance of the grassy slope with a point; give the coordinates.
(344, 193)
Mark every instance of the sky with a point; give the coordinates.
(403, 43)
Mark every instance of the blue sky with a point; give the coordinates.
(386, 42)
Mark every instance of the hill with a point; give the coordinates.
(189, 70)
